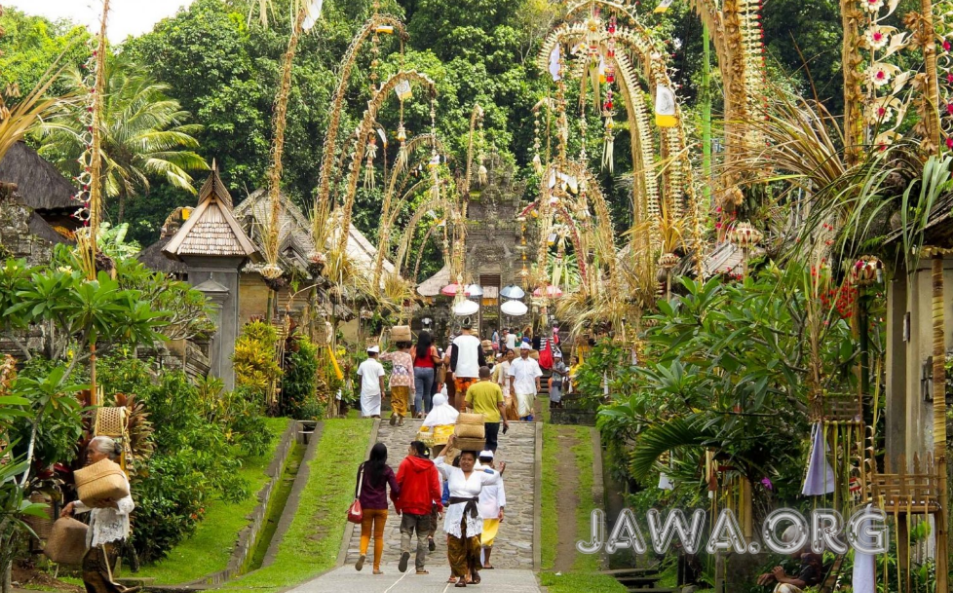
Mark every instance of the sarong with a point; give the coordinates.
(490, 528)
(371, 405)
(525, 404)
(97, 570)
(510, 409)
(464, 555)
(399, 397)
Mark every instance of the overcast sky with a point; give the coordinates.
(126, 17)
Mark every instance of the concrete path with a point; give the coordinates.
(514, 544)
(392, 581)
(512, 554)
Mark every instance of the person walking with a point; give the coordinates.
(420, 490)
(374, 476)
(501, 376)
(401, 381)
(557, 380)
(426, 361)
(510, 339)
(465, 361)
(108, 526)
(462, 521)
(370, 380)
(524, 382)
(486, 398)
(492, 502)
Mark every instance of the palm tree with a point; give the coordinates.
(143, 131)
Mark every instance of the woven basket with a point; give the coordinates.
(400, 333)
(437, 435)
(67, 542)
(42, 527)
(469, 444)
(103, 480)
(475, 419)
(110, 422)
(470, 431)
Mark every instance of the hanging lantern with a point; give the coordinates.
(744, 235)
(867, 270)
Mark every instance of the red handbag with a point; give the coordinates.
(355, 514)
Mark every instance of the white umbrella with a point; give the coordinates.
(513, 308)
(465, 308)
(512, 292)
(474, 290)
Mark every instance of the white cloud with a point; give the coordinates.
(126, 17)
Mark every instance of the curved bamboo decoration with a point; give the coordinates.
(365, 131)
(278, 147)
(475, 116)
(431, 204)
(322, 200)
(420, 256)
(387, 221)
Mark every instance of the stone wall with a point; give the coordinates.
(16, 240)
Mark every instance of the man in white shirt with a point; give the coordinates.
(510, 338)
(370, 380)
(465, 361)
(524, 382)
(492, 503)
(501, 375)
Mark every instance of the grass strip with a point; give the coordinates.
(279, 499)
(311, 543)
(209, 549)
(549, 531)
(584, 577)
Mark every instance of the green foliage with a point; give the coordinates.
(144, 134)
(254, 358)
(31, 44)
(201, 436)
(726, 368)
(299, 386)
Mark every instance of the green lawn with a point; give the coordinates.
(210, 547)
(311, 543)
(584, 577)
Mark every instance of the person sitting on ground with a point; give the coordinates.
(420, 490)
(486, 398)
(440, 422)
(810, 573)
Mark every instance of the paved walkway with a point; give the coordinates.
(514, 544)
(392, 581)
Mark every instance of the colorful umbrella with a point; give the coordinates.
(512, 292)
(551, 292)
(513, 308)
(465, 308)
(451, 290)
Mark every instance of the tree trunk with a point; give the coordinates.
(122, 208)
(6, 578)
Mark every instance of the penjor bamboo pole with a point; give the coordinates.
(939, 426)
(96, 182)
(932, 91)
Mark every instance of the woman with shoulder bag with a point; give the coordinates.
(373, 477)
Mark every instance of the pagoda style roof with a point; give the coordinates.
(211, 229)
(294, 234)
(39, 185)
(431, 286)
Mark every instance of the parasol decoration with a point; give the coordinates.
(512, 292)
(465, 308)
(452, 290)
(514, 308)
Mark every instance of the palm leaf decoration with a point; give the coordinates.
(662, 438)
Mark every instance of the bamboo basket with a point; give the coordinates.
(104, 480)
(110, 422)
(67, 542)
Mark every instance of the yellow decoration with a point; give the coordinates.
(663, 6)
(186, 213)
(334, 363)
(665, 108)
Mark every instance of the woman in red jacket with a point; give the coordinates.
(419, 487)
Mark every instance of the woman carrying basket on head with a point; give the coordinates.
(462, 520)
(108, 526)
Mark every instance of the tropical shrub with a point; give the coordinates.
(254, 358)
(299, 386)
